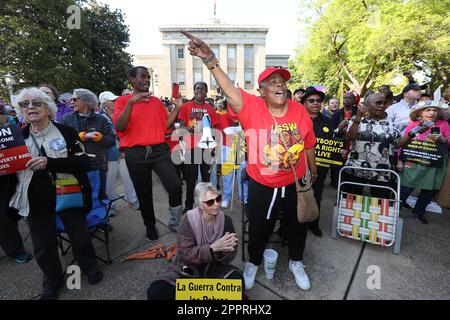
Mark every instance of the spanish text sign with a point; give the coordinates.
(13, 152)
(328, 152)
(208, 289)
(424, 152)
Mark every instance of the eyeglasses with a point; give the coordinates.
(314, 100)
(26, 104)
(210, 202)
(74, 99)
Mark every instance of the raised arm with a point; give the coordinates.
(200, 49)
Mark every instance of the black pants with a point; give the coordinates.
(318, 188)
(140, 162)
(42, 226)
(10, 239)
(261, 228)
(374, 191)
(194, 160)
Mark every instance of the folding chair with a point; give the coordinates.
(282, 237)
(97, 219)
(368, 219)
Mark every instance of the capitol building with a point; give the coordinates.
(240, 49)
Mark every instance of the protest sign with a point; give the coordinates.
(14, 153)
(328, 152)
(427, 153)
(208, 289)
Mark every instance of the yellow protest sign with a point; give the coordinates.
(208, 289)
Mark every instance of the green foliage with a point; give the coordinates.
(37, 46)
(371, 42)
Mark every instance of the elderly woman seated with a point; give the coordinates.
(373, 139)
(206, 244)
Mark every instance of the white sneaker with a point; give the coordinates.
(301, 278)
(249, 275)
(225, 204)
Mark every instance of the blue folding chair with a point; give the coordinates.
(97, 219)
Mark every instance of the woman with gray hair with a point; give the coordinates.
(94, 130)
(206, 245)
(56, 154)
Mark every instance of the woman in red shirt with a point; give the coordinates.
(271, 183)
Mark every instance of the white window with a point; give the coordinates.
(213, 82)
(181, 78)
(180, 53)
(248, 78)
(232, 76)
(231, 52)
(248, 53)
(216, 51)
(198, 76)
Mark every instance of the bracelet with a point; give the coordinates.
(211, 61)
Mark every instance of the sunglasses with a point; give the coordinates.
(210, 202)
(74, 99)
(26, 104)
(314, 100)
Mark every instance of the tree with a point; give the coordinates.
(36, 45)
(370, 42)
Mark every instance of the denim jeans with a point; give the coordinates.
(227, 181)
(422, 202)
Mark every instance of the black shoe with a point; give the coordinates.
(316, 231)
(421, 219)
(96, 277)
(52, 292)
(152, 233)
(49, 295)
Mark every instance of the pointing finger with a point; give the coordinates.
(187, 34)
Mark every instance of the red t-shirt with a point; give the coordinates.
(225, 121)
(192, 115)
(268, 159)
(147, 125)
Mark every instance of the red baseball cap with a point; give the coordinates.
(283, 72)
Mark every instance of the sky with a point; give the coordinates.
(144, 17)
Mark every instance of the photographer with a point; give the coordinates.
(426, 124)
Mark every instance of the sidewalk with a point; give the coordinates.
(337, 268)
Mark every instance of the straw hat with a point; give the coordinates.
(418, 108)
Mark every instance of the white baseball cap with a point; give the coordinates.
(107, 96)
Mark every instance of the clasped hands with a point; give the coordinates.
(225, 244)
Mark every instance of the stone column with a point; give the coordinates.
(260, 62)
(240, 67)
(189, 72)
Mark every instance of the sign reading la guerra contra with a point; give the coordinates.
(14, 153)
(208, 289)
(328, 152)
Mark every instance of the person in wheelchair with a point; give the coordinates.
(371, 154)
(56, 154)
(206, 245)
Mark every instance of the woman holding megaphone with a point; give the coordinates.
(271, 178)
(191, 117)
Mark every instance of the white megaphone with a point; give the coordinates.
(207, 141)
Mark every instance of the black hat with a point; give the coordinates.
(414, 86)
(310, 91)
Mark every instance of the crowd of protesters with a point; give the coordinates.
(112, 134)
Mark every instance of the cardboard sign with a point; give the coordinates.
(427, 153)
(208, 289)
(14, 153)
(328, 152)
